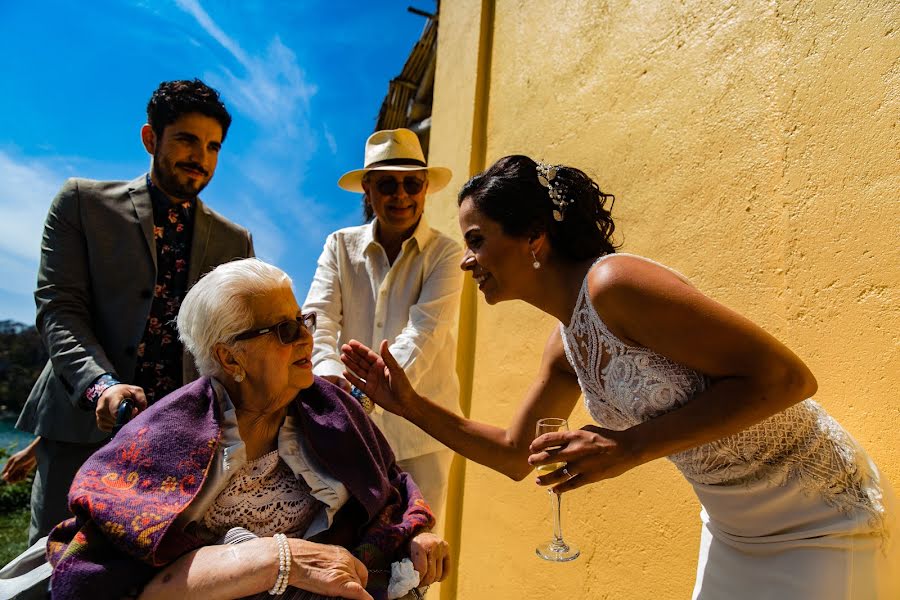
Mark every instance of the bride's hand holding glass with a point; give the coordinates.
(557, 549)
(590, 454)
(381, 378)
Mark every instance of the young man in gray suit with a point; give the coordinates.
(117, 259)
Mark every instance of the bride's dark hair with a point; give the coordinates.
(510, 193)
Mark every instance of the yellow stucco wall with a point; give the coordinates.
(752, 146)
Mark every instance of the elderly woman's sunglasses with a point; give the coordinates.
(387, 186)
(288, 331)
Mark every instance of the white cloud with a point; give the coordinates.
(268, 242)
(332, 143)
(272, 90)
(193, 8)
(28, 187)
(269, 87)
(17, 288)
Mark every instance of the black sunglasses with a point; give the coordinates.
(387, 186)
(288, 331)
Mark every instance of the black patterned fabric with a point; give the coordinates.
(159, 369)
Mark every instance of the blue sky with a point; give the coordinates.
(303, 79)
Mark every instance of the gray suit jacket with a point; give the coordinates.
(94, 291)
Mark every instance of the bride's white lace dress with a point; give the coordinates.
(792, 506)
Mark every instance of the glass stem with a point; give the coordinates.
(556, 507)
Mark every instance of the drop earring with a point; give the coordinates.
(536, 264)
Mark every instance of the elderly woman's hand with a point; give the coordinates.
(430, 556)
(328, 570)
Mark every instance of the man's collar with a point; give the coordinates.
(422, 234)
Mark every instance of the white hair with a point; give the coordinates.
(217, 308)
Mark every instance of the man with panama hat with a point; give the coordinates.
(396, 279)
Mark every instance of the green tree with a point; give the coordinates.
(22, 357)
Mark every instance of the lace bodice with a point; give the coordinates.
(264, 497)
(625, 385)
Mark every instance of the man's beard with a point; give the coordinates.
(167, 180)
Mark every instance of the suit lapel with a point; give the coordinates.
(200, 242)
(143, 207)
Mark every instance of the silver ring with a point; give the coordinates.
(566, 472)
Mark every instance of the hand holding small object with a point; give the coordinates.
(108, 404)
(590, 454)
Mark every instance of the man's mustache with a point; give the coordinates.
(193, 166)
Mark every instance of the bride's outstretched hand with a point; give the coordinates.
(380, 377)
(590, 454)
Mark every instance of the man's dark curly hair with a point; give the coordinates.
(172, 99)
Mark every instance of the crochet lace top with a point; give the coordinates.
(625, 385)
(264, 497)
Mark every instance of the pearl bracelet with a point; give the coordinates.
(285, 558)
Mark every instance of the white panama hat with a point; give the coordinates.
(395, 150)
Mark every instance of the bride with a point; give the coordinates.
(792, 506)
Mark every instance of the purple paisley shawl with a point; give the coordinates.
(127, 496)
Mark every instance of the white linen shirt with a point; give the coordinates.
(414, 304)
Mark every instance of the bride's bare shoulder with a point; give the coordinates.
(625, 272)
(623, 288)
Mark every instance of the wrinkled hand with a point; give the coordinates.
(20, 464)
(380, 377)
(430, 556)
(111, 398)
(338, 381)
(591, 454)
(328, 570)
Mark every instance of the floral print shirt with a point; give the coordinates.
(159, 354)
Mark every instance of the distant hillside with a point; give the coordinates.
(22, 356)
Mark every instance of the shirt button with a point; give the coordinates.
(379, 324)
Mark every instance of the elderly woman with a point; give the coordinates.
(257, 448)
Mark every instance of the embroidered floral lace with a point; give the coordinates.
(265, 498)
(626, 385)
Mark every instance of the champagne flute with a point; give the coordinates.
(556, 550)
